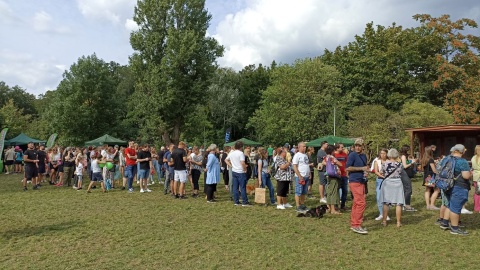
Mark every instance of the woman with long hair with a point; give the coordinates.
(429, 172)
(476, 177)
(196, 169)
(377, 167)
(406, 179)
(264, 178)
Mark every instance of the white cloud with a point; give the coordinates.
(115, 11)
(285, 30)
(29, 72)
(43, 22)
(131, 25)
(6, 13)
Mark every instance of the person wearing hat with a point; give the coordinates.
(458, 195)
(357, 168)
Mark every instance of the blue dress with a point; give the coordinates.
(213, 170)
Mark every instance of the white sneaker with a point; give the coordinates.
(287, 205)
(138, 182)
(142, 191)
(323, 200)
(388, 218)
(466, 211)
(281, 206)
(379, 218)
(148, 190)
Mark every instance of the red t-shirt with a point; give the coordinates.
(342, 157)
(131, 152)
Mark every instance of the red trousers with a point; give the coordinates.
(359, 204)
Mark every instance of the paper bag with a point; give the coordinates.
(260, 195)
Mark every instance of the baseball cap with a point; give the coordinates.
(458, 147)
(359, 142)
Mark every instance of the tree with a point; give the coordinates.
(85, 101)
(458, 66)
(173, 62)
(298, 103)
(20, 97)
(13, 117)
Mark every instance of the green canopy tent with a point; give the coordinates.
(245, 142)
(331, 140)
(106, 139)
(22, 139)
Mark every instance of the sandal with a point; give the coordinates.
(336, 213)
(384, 223)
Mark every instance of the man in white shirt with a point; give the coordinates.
(236, 160)
(301, 168)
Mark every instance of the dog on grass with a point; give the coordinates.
(250, 189)
(316, 212)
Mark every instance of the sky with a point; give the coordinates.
(40, 39)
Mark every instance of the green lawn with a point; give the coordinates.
(60, 228)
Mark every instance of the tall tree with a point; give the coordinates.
(173, 62)
(85, 101)
(14, 118)
(298, 103)
(20, 97)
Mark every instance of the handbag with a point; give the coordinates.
(260, 195)
(430, 181)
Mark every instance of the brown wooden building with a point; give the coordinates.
(444, 137)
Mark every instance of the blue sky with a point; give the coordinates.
(42, 38)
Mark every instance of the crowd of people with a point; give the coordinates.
(340, 172)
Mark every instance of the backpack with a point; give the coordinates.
(445, 179)
(331, 168)
(273, 169)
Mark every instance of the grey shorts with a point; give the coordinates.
(322, 178)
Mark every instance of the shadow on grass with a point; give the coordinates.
(39, 230)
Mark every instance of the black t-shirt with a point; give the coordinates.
(144, 165)
(160, 156)
(427, 169)
(67, 163)
(42, 156)
(32, 155)
(177, 156)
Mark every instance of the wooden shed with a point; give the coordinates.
(444, 137)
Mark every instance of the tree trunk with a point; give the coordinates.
(176, 133)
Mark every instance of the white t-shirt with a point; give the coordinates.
(236, 157)
(79, 169)
(95, 167)
(301, 160)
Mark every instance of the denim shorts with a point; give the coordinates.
(97, 177)
(143, 174)
(301, 189)
(457, 198)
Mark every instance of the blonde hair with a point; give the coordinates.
(477, 153)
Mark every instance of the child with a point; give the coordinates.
(96, 172)
(79, 172)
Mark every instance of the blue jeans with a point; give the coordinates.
(158, 169)
(377, 192)
(239, 180)
(267, 181)
(130, 171)
(343, 191)
(301, 189)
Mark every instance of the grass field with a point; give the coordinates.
(60, 228)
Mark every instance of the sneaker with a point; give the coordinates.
(148, 190)
(460, 224)
(311, 197)
(123, 188)
(142, 191)
(458, 232)
(25, 188)
(466, 211)
(176, 196)
(78, 189)
(35, 187)
(323, 200)
(130, 190)
(287, 205)
(359, 230)
(236, 204)
(281, 207)
(246, 204)
(445, 225)
(305, 208)
(411, 209)
(138, 182)
(183, 197)
(434, 208)
(300, 209)
(211, 201)
(379, 218)
(74, 187)
(438, 221)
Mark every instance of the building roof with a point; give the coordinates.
(445, 128)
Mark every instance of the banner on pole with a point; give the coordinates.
(51, 140)
(2, 139)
